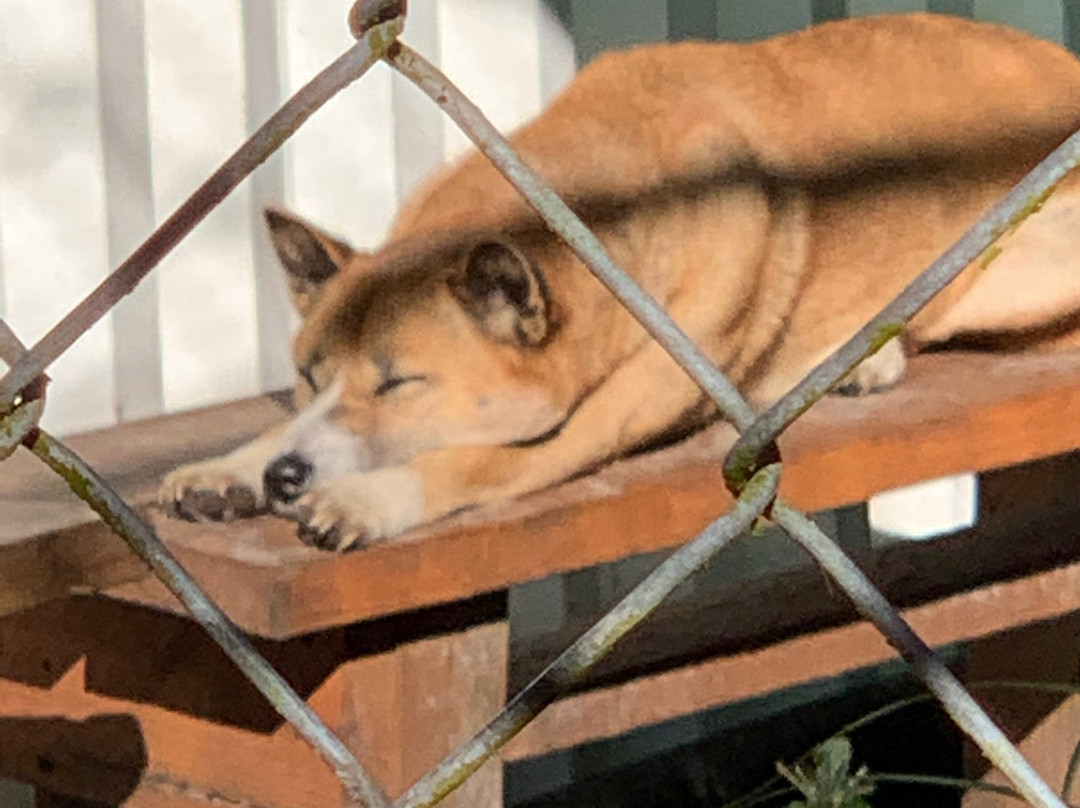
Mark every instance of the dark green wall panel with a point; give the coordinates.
(741, 21)
(1045, 18)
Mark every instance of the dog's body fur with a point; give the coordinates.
(771, 196)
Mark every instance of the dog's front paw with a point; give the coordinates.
(359, 509)
(219, 490)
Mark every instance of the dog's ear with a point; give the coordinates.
(310, 257)
(505, 293)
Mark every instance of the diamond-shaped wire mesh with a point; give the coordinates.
(752, 468)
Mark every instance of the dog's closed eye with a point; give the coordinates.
(394, 382)
(310, 370)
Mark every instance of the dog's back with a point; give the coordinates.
(830, 99)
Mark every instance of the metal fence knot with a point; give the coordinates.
(366, 14)
(744, 461)
(19, 425)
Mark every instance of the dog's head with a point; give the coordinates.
(390, 365)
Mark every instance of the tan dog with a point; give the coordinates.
(771, 196)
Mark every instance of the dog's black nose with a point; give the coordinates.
(287, 477)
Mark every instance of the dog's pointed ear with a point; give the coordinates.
(310, 257)
(505, 293)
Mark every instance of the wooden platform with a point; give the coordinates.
(369, 636)
(953, 413)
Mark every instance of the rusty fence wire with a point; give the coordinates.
(752, 469)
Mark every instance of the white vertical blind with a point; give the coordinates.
(129, 197)
(206, 285)
(52, 229)
(491, 51)
(113, 111)
(419, 141)
(340, 165)
(262, 75)
(557, 60)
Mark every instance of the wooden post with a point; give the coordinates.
(410, 707)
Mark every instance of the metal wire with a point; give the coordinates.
(378, 22)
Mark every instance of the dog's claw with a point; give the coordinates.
(321, 526)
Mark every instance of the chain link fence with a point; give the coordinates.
(752, 468)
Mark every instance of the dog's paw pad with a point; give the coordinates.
(200, 504)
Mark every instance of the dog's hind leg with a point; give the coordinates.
(1029, 280)
(877, 372)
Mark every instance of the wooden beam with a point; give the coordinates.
(612, 711)
(401, 712)
(1035, 531)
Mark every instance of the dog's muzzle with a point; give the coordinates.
(287, 477)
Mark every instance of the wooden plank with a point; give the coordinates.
(133, 457)
(954, 413)
(52, 545)
(725, 615)
(612, 711)
(275, 770)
